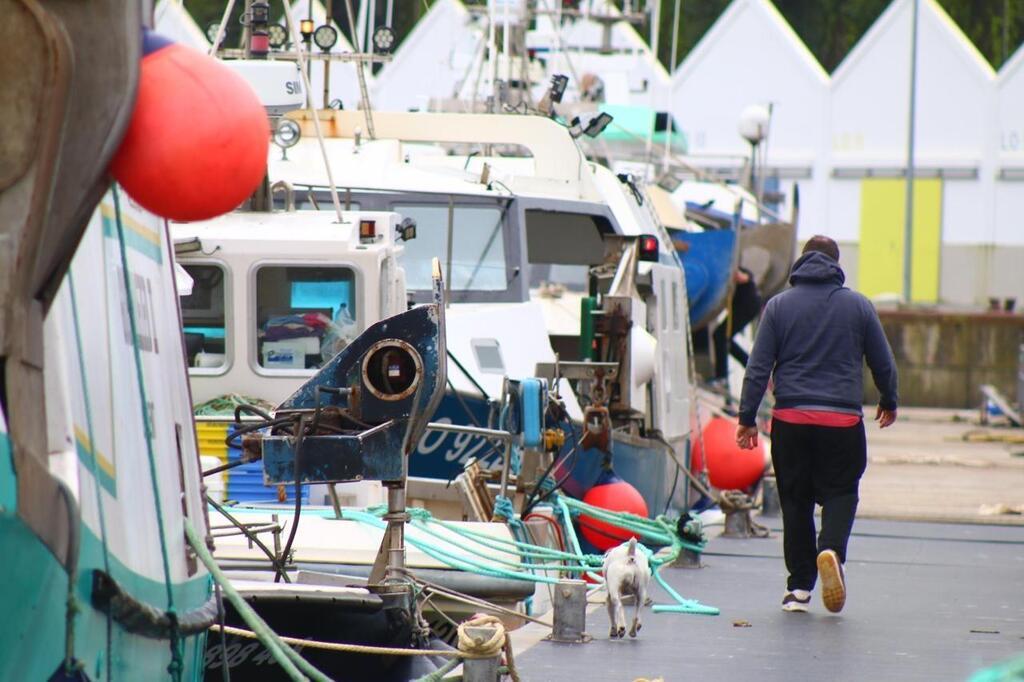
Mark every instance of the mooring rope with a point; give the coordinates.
(176, 665)
(294, 666)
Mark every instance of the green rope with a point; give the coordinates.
(175, 667)
(294, 665)
(439, 674)
(570, 532)
(445, 556)
(518, 547)
(72, 607)
(657, 563)
(660, 530)
(224, 405)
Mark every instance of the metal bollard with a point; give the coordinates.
(687, 559)
(770, 497)
(481, 669)
(570, 614)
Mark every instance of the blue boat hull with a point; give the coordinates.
(644, 463)
(707, 259)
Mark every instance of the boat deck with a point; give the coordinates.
(927, 601)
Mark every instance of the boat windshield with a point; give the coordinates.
(562, 246)
(477, 247)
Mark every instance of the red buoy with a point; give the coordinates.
(197, 143)
(728, 466)
(612, 493)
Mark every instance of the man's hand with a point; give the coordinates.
(746, 437)
(885, 417)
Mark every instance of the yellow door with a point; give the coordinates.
(882, 215)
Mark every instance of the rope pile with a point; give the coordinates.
(530, 562)
(478, 647)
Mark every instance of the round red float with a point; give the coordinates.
(197, 143)
(728, 466)
(611, 493)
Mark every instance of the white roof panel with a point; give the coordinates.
(751, 56)
(870, 93)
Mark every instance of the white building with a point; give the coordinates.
(953, 230)
(1008, 140)
(752, 56)
(172, 20)
(436, 60)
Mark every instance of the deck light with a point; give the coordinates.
(384, 39)
(260, 12)
(591, 127)
(259, 36)
(367, 231)
(287, 133)
(211, 33)
(407, 229)
(558, 84)
(325, 37)
(597, 125)
(648, 247)
(277, 36)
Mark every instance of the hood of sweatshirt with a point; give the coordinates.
(815, 267)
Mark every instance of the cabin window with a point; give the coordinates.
(478, 246)
(561, 247)
(204, 317)
(304, 315)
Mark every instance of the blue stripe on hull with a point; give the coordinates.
(32, 630)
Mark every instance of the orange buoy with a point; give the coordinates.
(728, 466)
(611, 493)
(197, 143)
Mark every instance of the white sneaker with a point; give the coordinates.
(796, 601)
(833, 581)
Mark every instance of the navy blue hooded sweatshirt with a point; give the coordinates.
(813, 338)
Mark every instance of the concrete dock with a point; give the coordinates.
(928, 599)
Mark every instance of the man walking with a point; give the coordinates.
(812, 341)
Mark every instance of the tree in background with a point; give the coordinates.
(830, 28)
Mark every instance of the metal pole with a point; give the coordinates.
(671, 90)
(329, 20)
(448, 255)
(569, 612)
(309, 50)
(247, 29)
(908, 227)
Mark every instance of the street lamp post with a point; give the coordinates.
(908, 226)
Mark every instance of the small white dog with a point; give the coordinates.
(626, 572)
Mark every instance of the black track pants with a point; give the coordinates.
(816, 465)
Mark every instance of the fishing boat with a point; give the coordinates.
(98, 466)
(595, 44)
(531, 239)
